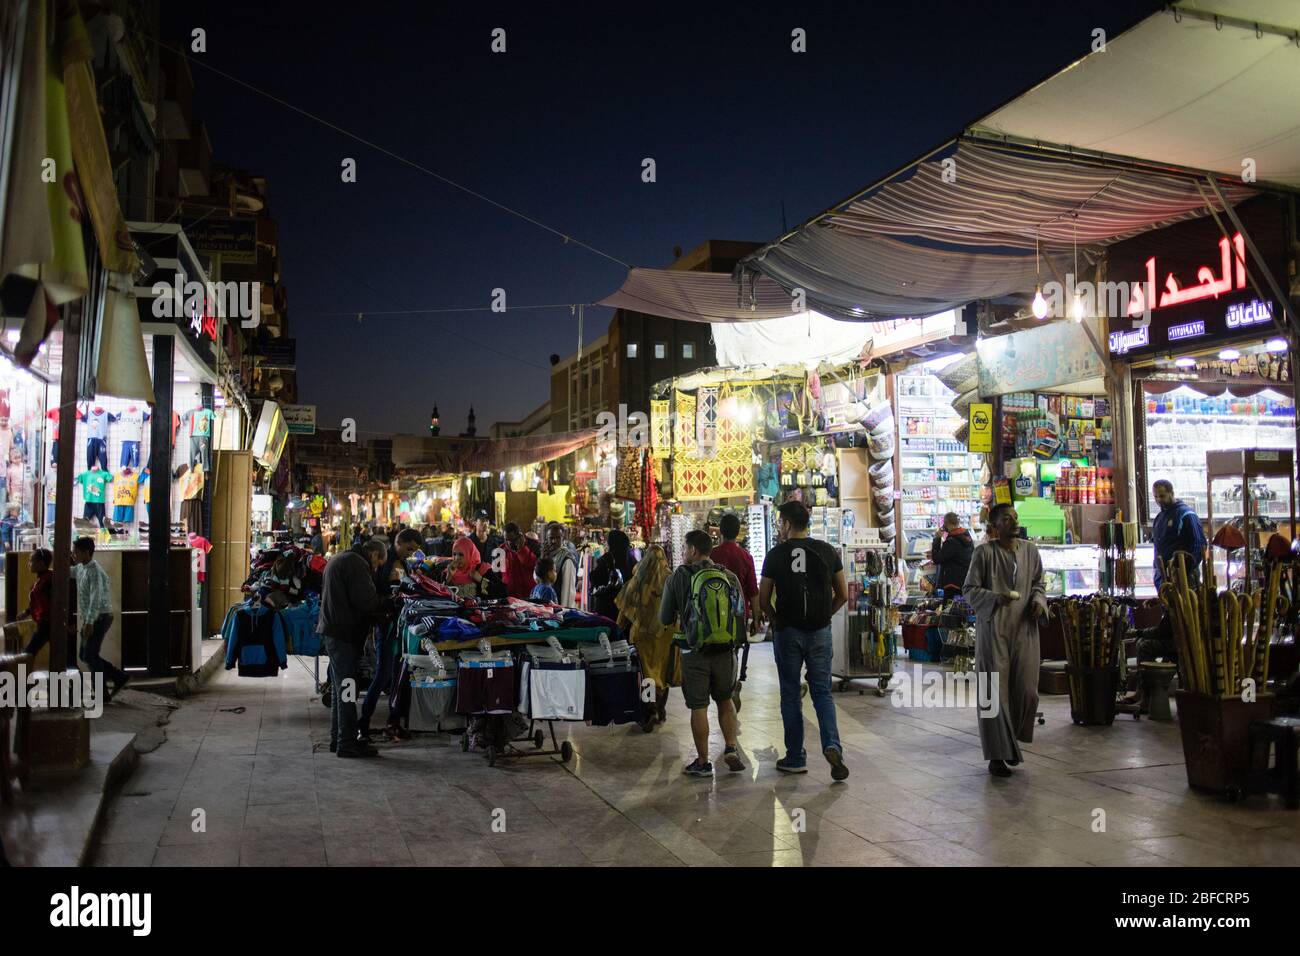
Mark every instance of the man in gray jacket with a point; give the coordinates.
(349, 603)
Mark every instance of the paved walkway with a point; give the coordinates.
(272, 794)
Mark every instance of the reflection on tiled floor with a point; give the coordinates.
(268, 793)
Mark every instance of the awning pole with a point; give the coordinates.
(1254, 251)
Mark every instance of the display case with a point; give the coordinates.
(1258, 486)
(938, 473)
(1183, 425)
(1070, 569)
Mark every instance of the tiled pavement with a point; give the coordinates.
(919, 794)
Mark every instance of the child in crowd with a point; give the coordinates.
(544, 592)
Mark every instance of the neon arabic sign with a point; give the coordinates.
(1253, 313)
(1144, 300)
(202, 322)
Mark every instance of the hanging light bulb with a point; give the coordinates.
(1040, 304)
(1078, 307)
(582, 465)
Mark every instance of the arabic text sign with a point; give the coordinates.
(1057, 353)
(1232, 276)
(1125, 340)
(1196, 325)
(301, 419)
(1187, 330)
(235, 240)
(1243, 314)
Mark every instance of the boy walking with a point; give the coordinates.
(707, 600)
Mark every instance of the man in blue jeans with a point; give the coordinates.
(808, 578)
(387, 653)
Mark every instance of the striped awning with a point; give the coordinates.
(964, 226)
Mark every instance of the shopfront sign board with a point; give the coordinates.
(300, 419)
(235, 240)
(1055, 354)
(980, 435)
(1196, 325)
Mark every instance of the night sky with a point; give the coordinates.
(557, 128)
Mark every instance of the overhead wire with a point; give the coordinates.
(446, 328)
(389, 153)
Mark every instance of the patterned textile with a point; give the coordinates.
(803, 457)
(661, 428)
(684, 430)
(706, 423)
(627, 480)
(645, 507)
(729, 473)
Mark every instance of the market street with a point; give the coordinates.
(918, 795)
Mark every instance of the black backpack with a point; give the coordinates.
(806, 604)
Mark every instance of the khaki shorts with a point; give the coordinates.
(708, 674)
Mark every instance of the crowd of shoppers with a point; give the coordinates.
(689, 625)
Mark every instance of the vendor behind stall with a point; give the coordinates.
(1176, 529)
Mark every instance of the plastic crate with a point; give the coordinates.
(923, 657)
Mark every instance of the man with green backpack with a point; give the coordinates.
(706, 599)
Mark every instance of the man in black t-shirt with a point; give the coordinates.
(808, 578)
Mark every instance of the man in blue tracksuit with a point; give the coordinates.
(1174, 529)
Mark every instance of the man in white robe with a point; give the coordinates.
(1005, 587)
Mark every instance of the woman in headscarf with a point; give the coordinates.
(638, 609)
(466, 566)
(611, 574)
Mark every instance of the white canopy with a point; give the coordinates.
(810, 339)
(1180, 89)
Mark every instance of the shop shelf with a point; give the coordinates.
(1236, 419)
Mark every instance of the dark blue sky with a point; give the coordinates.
(557, 127)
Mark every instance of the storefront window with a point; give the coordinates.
(22, 448)
(1183, 423)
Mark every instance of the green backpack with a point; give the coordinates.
(713, 615)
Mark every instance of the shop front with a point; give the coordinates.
(1210, 371)
(1054, 444)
